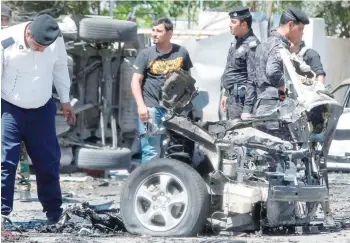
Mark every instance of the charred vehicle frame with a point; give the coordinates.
(249, 177)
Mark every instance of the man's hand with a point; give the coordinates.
(245, 116)
(143, 113)
(68, 113)
(223, 103)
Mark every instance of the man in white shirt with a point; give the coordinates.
(33, 59)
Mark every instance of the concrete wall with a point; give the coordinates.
(337, 60)
(334, 52)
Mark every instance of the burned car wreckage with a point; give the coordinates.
(250, 177)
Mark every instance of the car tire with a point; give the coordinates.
(107, 30)
(102, 159)
(190, 186)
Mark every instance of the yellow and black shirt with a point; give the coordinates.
(153, 64)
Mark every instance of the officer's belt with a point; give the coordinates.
(238, 90)
(268, 102)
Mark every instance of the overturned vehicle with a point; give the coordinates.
(100, 53)
(250, 177)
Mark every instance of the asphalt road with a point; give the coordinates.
(99, 191)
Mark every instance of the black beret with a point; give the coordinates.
(44, 30)
(6, 11)
(297, 14)
(239, 13)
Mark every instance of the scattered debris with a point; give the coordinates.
(69, 194)
(104, 184)
(301, 230)
(7, 236)
(99, 207)
(85, 232)
(223, 241)
(77, 179)
(75, 228)
(101, 216)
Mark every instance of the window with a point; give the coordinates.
(339, 94)
(347, 105)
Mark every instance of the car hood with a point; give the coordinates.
(310, 105)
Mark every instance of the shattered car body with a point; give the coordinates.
(338, 158)
(254, 177)
(100, 53)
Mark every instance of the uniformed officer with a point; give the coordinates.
(269, 64)
(6, 15)
(311, 58)
(23, 170)
(33, 59)
(238, 77)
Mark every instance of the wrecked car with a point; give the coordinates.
(338, 158)
(249, 178)
(101, 52)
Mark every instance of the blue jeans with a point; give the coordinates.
(151, 147)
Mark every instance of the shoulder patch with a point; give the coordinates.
(7, 42)
(253, 44)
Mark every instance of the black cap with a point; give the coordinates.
(297, 14)
(239, 13)
(44, 30)
(6, 11)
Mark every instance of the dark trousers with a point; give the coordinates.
(234, 106)
(37, 129)
(265, 107)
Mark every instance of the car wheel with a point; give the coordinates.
(107, 30)
(102, 159)
(164, 197)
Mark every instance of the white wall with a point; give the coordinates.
(337, 60)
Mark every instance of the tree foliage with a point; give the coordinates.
(335, 13)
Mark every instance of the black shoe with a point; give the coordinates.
(53, 217)
(52, 221)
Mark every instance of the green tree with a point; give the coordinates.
(147, 11)
(336, 15)
(23, 10)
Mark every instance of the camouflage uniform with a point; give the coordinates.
(238, 77)
(269, 74)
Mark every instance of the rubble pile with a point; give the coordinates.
(90, 220)
(102, 220)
